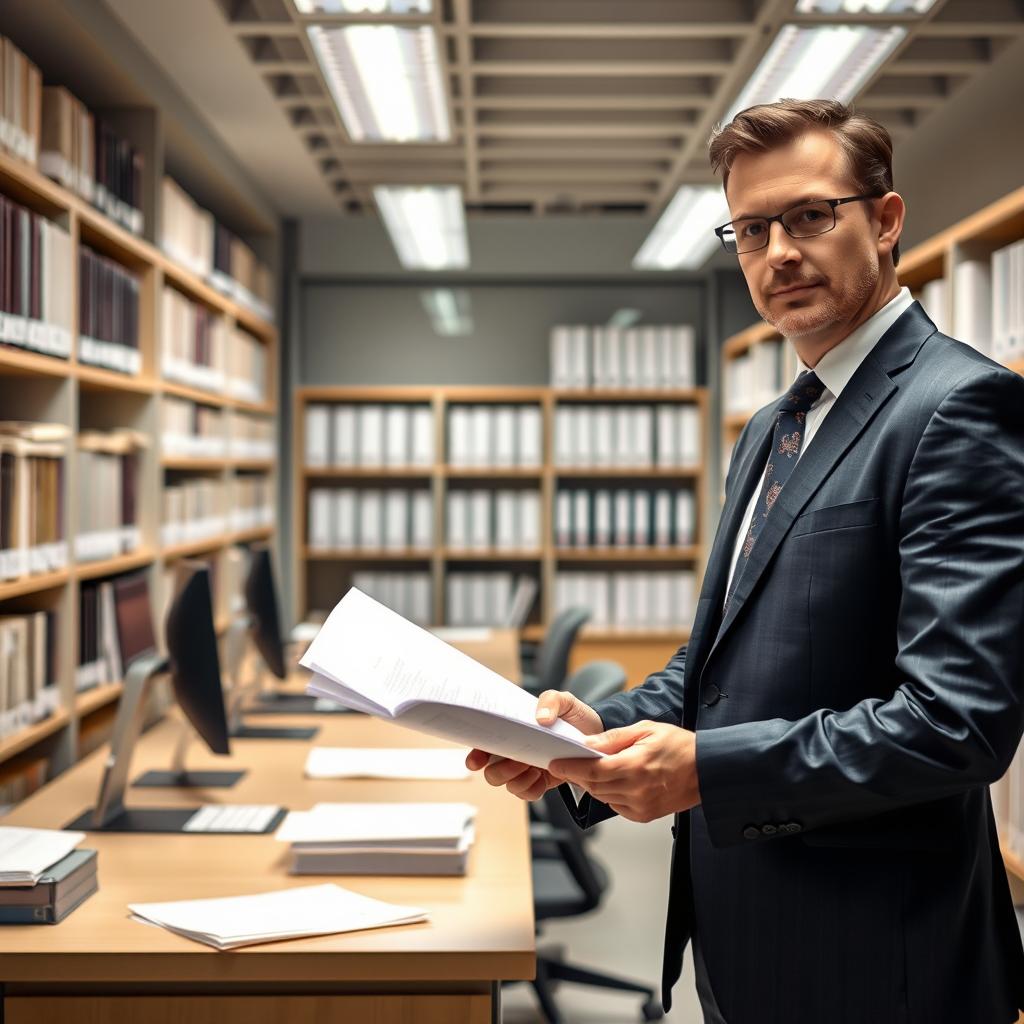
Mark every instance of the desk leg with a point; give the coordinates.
(496, 1002)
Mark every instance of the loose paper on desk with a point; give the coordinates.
(233, 921)
(25, 853)
(387, 763)
(369, 658)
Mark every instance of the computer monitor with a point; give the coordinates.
(134, 617)
(195, 675)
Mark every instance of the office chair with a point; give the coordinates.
(597, 680)
(569, 884)
(552, 662)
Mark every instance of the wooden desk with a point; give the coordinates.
(97, 965)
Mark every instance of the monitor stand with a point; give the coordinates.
(274, 703)
(180, 777)
(110, 813)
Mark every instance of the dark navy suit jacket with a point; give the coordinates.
(865, 687)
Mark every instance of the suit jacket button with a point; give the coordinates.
(768, 830)
(752, 832)
(712, 695)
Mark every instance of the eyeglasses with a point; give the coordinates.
(803, 221)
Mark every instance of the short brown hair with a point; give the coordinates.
(758, 129)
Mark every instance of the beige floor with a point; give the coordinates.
(624, 935)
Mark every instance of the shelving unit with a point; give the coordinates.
(80, 396)
(636, 650)
(974, 237)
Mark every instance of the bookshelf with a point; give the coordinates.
(937, 259)
(322, 574)
(83, 397)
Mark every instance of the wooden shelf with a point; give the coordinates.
(747, 339)
(1014, 863)
(98, 697)
(687, 554)
(173, 387)
(267, 408)
(256, 533)
(252, 465)
(110, 566)
(622, 395)
(736, 420)
(367, 473)
(511, 473)
(196, 547)
(536, 632)
(20, 741)
(1017, 366)
(194, 464)
(358, 555)
(21, 363)
(25, 184)
(492, 556)
(95, 378)
(33, 584)
(618, 473)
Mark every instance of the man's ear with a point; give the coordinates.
(890, 212)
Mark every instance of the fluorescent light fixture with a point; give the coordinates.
(363, 6)
(863, 6)
(625, 317)
(449, 311)
(385, 81)
(684, 236)
(426, 224)
(828, 61)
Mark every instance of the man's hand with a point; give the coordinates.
(650, 770)
(523, 780)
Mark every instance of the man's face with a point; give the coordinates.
(833, 274)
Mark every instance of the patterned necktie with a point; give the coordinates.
(789, 435)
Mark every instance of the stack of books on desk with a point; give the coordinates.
(380, 839)
(42, 876)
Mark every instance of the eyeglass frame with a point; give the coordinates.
(778, 217)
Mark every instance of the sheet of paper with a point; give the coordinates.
(368, 656)
(233, 921)
(386, 763)
(426, 823)
(25, 853)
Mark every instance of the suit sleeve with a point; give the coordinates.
(956, 718)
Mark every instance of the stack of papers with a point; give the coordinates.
(368, 658)
(380, 839)
(234, 921)
(26, 853)
(386, 763)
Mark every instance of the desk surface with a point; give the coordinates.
(481, 926)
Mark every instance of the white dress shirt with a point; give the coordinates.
(834, 370)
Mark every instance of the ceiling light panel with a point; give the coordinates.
(426, 224)
(363, 6)
(684, 236)
(864, 6)
(385, 81)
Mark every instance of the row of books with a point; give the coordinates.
(250, 437)
(484, 519)
(1008, 804)
(628, 436)
(625, 518)
(32, 474)
(1008, 302)
(21, 102)
(110, 632)
(28, 669)
(631, 358)
(495, 436)
(81, 151)
(191, 236)
(369, 434)
(252, 502)
(191, 430)
(108, 493)
(193, 509)
(392, 519)
(108, 313)
(754, 378)
(408, 593)
(480, 598)
(35, 301)
(630, 600)
(202, 349)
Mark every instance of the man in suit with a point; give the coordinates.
(854, 679)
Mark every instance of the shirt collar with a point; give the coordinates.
(839, 364)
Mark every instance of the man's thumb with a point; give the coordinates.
(555, 704)
(614, 740)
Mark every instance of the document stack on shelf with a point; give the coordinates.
(234, 921)
(42, 876)
(370, 659)
(380, 839)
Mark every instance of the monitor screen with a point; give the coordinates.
(192, 650)
(261, 601)
(134, 617)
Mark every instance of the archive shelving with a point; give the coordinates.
(49, 389)
(975, 237)
(321, 576)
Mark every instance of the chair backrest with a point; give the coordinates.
(568, 837)
(553, 654)
(597, 680)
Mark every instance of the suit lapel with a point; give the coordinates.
(862, 398)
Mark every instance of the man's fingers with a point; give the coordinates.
(555, 704)
(585, 770)
(500, 773)
(477, 759)
(615, 740)
(522, 785)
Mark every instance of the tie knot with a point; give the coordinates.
(805, 391)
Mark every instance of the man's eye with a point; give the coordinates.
(750, 230)
(810, 215)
